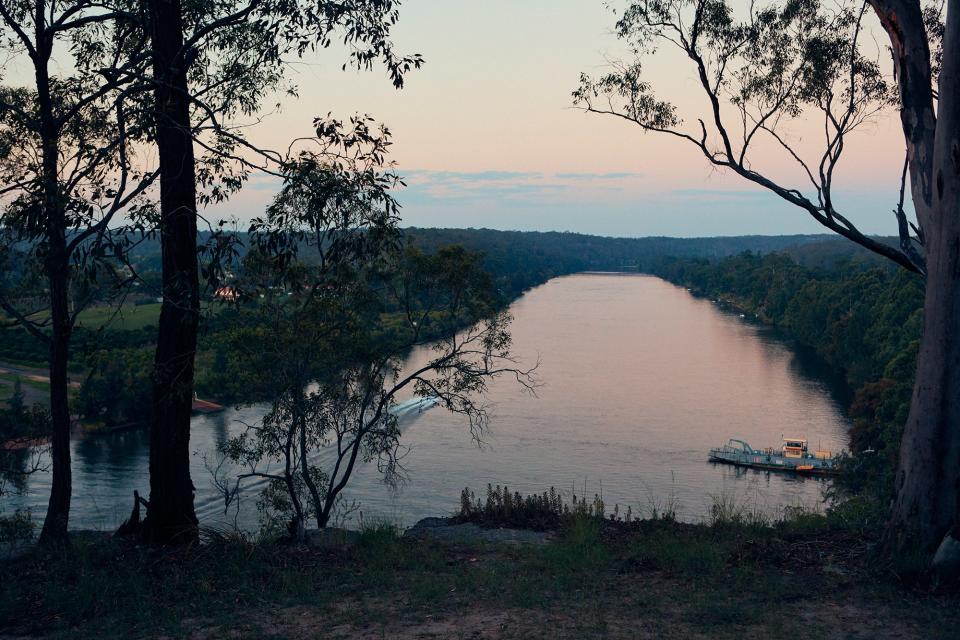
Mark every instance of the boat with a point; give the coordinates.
(792, 456)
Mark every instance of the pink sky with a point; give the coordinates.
(487, 136)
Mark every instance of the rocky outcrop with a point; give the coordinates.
(447, 529)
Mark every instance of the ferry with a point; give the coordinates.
(792, 456)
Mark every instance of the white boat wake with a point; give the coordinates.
(210, 506)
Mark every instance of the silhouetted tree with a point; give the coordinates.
(787, 61)
(213, 63)
(331, 336)
(67, 169)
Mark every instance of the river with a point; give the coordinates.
(639, 379)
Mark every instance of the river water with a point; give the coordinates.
(638, 380)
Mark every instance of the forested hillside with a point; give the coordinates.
(522, 259)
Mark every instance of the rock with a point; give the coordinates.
(430, 523)
(331, 538)
(445, 529)
(947, 558)
(835, 570)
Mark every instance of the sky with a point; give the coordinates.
(485, 134)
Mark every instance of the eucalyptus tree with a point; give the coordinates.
(762, 70)
(328, 339)
(324, 422)
(214, 63)
(69, 131)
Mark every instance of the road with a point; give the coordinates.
(29, 373)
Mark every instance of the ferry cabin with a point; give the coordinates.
(794, 447)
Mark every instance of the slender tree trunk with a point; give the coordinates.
(305, 466)
(58, 508)
(171, 517)
(927, 499)
(298, 524)
(57, 265)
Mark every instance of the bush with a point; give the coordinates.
(727, 511)
(546, 511)
(16, 527)
(119, 389)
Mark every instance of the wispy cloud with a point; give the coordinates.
(425, 184)
(462, 176)
(262, 181)
(613, 175)
(721, 193)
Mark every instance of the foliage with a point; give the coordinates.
(89, 113)
(762, 69)
(330, 305)
(519, 260)
(19, 421)
(333, 368)
(16, 527)
(539, 512)
(547, 511)
(239, 52)
(118, 389)
(516, 261)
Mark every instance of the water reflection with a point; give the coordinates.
(640, 380)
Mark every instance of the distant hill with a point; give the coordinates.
(522, 259)
(604, 252)
(832, 250)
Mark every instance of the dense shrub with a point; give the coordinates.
(540, 512)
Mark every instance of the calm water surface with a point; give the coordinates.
(639, 380)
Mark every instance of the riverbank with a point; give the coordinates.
(591, 579)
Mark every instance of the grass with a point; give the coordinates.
(33, 390)
(598, 579)
(685, 555)
(11, 378)
(130, 317)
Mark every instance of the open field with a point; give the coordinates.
(656, 580)
(129, 317)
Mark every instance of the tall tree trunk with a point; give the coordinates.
(171, 517)
(927, 489)
(56, 265)
(58, 508)
(927, 502)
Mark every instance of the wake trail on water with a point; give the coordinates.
(212, 507)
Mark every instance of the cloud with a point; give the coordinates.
(262, 181)
(524, 186)
(420, 175)
(613, 175)
(721, 193)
